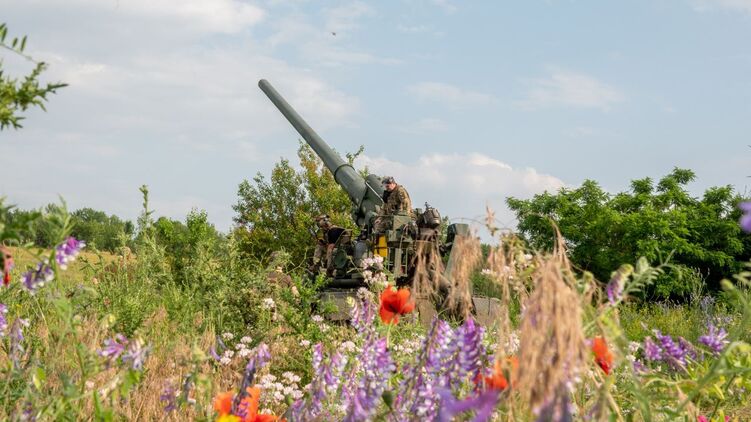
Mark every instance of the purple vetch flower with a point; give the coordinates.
(706, 304)
(169, 397)
(16, 341)
(614, 288)
(34, 279)
(688, 347)
(652, 351)
(745, 221)
(556, 409)
(417, 397)
(67, 251)
(483, 404)
(113, 347)
(3, 320)
(327, 377)
(135, 355)
(639, 367)
(715, 339)
(259, 358)
(674, 354)
(362, 316)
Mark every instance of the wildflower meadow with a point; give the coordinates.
(607, 307)
(110, 336)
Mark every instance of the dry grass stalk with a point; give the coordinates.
(466, 254)
(428, 271)
(552, 346)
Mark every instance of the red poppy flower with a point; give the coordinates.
(394, 303)
(223, 403)
(497, 380)
(7, 265)
(603, 356)
(249, 406)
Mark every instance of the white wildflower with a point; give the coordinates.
(268, 303)
(228, 336)
(246, 340)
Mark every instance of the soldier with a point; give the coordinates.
(395, 201)
(326, 239)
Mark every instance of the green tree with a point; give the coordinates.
(278, 214)
(16, 95)
(188, 246)
(99, 229)
(602, 231)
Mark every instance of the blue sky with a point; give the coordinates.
(463, 102)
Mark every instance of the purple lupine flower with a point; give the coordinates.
(652, 351)
(674, 354)
(113, 347)
(169, 397)
(3, 320)
(483, 404)
(745, 221)
(715, 339)
(464, 356)
(375, 368)
(67, 251)
(34, 279)
(135, 355)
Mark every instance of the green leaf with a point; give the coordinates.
(38, 378)
(101, 414)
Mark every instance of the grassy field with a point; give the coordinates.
(195, 340)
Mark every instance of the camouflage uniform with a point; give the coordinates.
(326, 238)
(396, 201)
(323, 249)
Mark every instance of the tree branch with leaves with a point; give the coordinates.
(18, 95)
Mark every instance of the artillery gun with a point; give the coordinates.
(399, 245)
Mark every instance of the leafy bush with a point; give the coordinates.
(279, 214)
(660, 222)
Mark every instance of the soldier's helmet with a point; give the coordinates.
(387, 180)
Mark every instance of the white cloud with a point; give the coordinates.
(733, 5)
(165, 102)
(445, 5)
(425, 125)
(227, 16)
(412, 29)
(462, 185)
(569, 89)
(315, 41)
(345, 17)
(449, 95)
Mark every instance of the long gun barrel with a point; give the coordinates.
(365, 194)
